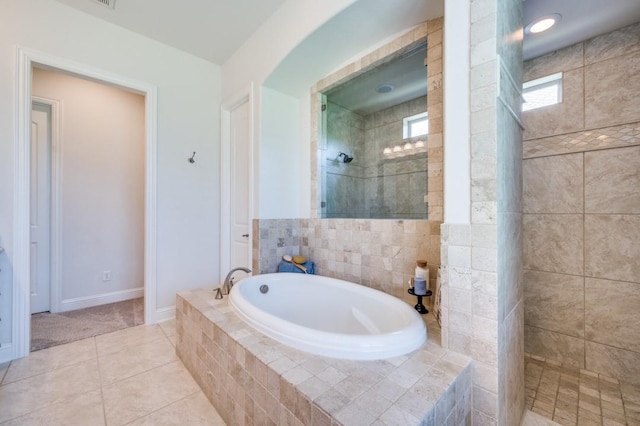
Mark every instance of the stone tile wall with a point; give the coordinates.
(343, 188)
(380, 254)
(252, 379)
(435, 110)
(582, 210)
(482, 297)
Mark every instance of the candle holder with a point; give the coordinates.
(420, 307)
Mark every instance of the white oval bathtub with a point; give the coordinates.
(328, 317)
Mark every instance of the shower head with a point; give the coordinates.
(346, 158)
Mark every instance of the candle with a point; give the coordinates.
(420, 288)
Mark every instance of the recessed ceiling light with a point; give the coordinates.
(385, 88)
(542, 24)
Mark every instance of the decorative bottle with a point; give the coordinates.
(421, 280)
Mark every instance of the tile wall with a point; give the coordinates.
(435, 96)
(343, 184)
(582, 209)
(373, 185)
(252, 379)
(377, 253)
(482, 263)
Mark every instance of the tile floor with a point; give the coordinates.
(571, 396)
(129, 377)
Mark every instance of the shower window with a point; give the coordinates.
(542, 92)
(416, 125)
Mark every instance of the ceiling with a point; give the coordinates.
(341, 40)
(581, 20)
(214, 29)
(210, 29)
(406, 75)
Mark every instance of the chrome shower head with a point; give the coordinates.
(346, 158)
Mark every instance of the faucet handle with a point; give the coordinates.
(218, 293)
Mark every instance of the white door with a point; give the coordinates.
(240, 187)
(40, 207)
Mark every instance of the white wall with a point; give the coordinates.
(280, 155)
(457, 154)
(189, 98)
(102, 186)
(274, 40)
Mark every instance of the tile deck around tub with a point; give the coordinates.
(252, 379)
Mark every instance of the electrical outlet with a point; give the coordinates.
(106, 275)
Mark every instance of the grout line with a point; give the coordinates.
(165, 406)
(584, 263)
(5, 373)
(104, 408)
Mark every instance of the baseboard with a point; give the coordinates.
(6, 353)
(165, 314)
(101, 299)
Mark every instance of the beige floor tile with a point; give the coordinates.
(84, 409)
(532, 418)
(564, 422)
(630, 393)
(611, 422)
(596, 400)
(135, 360)
(194, 410)
(586, 421)
(28, 395)
(613, 415)
(50, 359)
(615, 407)
(541, 412)
(169, 327)
(140, 395)
(127, 338)
(172, 339)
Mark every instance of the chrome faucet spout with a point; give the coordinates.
(228, 282)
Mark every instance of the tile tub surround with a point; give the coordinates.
(379, 253)
(582, 210)
(252, 379)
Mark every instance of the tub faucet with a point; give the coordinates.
(228, 281)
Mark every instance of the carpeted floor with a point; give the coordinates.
(49, 330)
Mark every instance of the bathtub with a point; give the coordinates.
(327, 316)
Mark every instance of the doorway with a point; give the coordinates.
(237, 182)
(40, 214)
(27, 60)
(100, 191)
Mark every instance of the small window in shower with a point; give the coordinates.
(416, 125)
(542, 92)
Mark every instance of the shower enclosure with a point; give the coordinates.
(372, 165)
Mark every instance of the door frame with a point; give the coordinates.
(244, 95)
(25, 60)
(55, 209)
